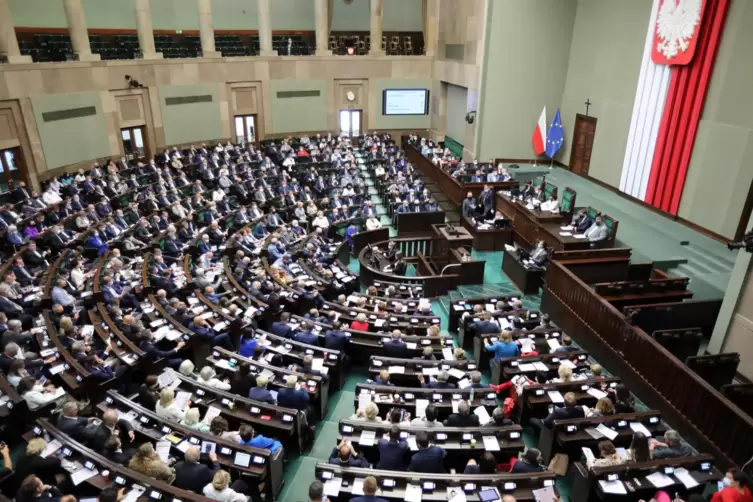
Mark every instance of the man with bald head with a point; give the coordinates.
(192, 475)
(111, 426)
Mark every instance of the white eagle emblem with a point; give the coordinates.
(676, 25)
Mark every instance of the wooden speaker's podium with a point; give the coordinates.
(451, 245)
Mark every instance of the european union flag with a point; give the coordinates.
(555, 137)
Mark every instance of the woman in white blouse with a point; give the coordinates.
(320, 221)
(207, 376)
(373, 223)
(168, 408)
(36, 395)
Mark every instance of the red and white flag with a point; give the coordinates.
(539, 134)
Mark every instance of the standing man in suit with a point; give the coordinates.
(469, 205)
(111, 426)
(487, 200)
(428, 458)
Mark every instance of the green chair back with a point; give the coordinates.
(567, 202)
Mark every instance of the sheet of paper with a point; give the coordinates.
(163, 450)
(211, 413)
(639, 427)
(332, 486)
(553, 344)
(456, 373)
(82, 475)
(596, 393)
(555, 396)
(567, 363)
(591, 431)
(396, 370)
(491, 443)
(685, 477)
(51, 448)
(588, 454)
(526, 345)
(568, 227)
(539, 366)
(464, 383)
(317, 364)
(430, 371)
(421, 405)
(411, 345)
(413, 493)
(615, 487)
(181, 399)
(579, 236)
(565, 234)
(357, 488)
(412, 443)
(545, 494)
(363, 400)
(483, 415)
(134, 494)
(455, 405)
(367, 438)
(447, 354)
(455, 494)
(660, 480)
(606, 431)
(526, 367)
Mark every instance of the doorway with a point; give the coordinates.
(11, 169)
(583, 143)
(350, 123)
(133, 142)
(245, 129)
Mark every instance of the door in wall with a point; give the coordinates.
(11, 169)
(350, 123)
(245, 129)
(583, 143)
(133, 142)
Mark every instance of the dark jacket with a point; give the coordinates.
(193, 476)
(458, 420)
(102, 434)
(524, 467)
(564, 413)
(76, 428)
(430, 459)
(148, 397)
(392, 455)
(352, 461)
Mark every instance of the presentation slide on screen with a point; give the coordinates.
(406, 102)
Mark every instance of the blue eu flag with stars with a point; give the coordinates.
(555, 137)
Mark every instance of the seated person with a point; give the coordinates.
(428, 458)
(345, 455)
(529, 462)
(393, 452)
(463, 418)
(539, 256)
(570, 410)
(486, 465)
(607, 455)
(441, 382)
(598, 231)
(673, 446)
(552, 205)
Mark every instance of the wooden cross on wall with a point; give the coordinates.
(588, 104)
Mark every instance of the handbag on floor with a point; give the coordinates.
(559, 464)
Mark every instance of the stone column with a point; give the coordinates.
(377, 12)
(265, 29)
(322, 28)
(74, 13)
(207, 30)
(9, 51)
(144, 28)
(431, 27)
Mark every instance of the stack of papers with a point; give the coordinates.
(483, 415)
(616, 487)
(639, 427)
(332, 486)
(367, 438)
(413, 493)
(596, 393)
(555, 396)
(660, 480)
(490, 443)
(606, 431)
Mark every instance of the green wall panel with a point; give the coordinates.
(298, 114)
(185, 123)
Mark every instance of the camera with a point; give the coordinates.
(746, 243)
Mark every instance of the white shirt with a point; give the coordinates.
(373, 224)
(551, 205)
(216, 383)
(320, 221)
(171, 412)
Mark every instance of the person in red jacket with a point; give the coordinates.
(734, 489)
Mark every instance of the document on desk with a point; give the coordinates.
(490, 307)
(555, 396)
(135, 493)
(660, 480)
(464, 383)
(411, 345)
(526, 345)
(588, 454)
(456, 373)
(357, 488)
(447, 354)
(379, 323)
(483, 415)
(545, 494)
(413, 493)
(82, 475)
(421, 405)
(579, 236)
(591, 431)
(685, 477)
(455, 405)
(455, 494)
(568, 227)
(491, 443)
(181, 400)
(51, 448)
(317, 364)
(163, 450)
(396, 370)
(504, 323)
(553, 344)
(412, 443)
(527, 367)
(332, 486)
(596, 393)
(565, 234)
(615, 487)
(367, 438)
(606, 431)
(430, 371)
(458, 308)
(639, 427)
(539, 366)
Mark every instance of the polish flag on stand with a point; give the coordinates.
(539, 134)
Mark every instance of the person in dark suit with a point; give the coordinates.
(291, 396)
(469, 205)
(441, 381)
(487, 201)
(260, 392)
(114, 452)
(396, 347)
(393, 452)
(570, 410)
(401, 267)
(307, 336)
(111, 426)
(73, 425)
(530, 462)
(334, 339)
(149, 393)
(369, 491)
(463, 418)
(152, 352)
(193, 476)
(582, 222)
(345, 456)
(428, 458)
(485, 325)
